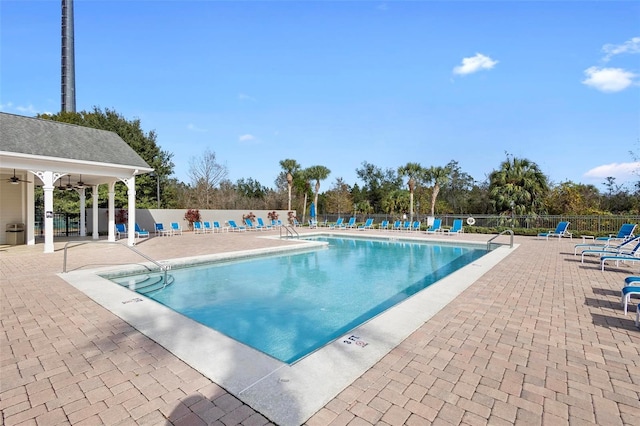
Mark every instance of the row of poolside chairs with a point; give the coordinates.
(204, 227)
(620, 249)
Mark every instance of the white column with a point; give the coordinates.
(48, 179)
(29, 220)
(131, 205)
(96, 225)
(83, 212)
(112, 215)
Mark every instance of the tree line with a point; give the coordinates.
(516, 186)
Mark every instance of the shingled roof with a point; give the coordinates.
(46, 138)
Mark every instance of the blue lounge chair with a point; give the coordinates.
(251, 226)
(235, 228)
(198, 228)
(415, 226)
(141, 233)
(626, 231)
(368, 224)
(397, 225)
(560, 231)
(622, 248)
(352, 223)
(121, 230)
(262, 224)
(339, 224)
(457, 228)
(628, 257)
(436, 227)
(218, 228)
(206, 226)
(160, 231)
(406, 226)
(384, 225)
(629, 290)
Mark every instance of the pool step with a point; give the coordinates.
(147, 284)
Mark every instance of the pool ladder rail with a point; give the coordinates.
(290, 232)
(506, 231)
(163, 267)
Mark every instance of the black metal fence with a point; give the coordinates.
(600, 225)
(64, 224)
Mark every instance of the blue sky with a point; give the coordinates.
(336, 83)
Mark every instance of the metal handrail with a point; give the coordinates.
(163, 267)
(290, 231)
(509, 231)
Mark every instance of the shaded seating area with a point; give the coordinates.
(562, 230)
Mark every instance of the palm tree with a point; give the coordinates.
(438, 176)
(317, 173)
(518, 187)
(412, 171)
(291, 167)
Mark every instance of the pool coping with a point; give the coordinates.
(286, 394)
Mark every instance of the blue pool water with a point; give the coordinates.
(289, 305)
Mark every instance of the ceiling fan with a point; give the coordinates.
(14, 180)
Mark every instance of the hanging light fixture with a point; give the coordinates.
(69, 186)
(80, 184)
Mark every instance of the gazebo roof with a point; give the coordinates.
(97, 156)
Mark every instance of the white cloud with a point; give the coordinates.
(622, 171)
(475, 63)
(630, 46)
(608, 79)
(192, 127)
(246, 138)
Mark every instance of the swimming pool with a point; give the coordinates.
(289, 305)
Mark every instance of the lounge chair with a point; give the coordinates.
(161, 232)
(622, 248)
(141, 233)
(436, 227)
(632, 256)
(397, 225)
(415, 226)
(276, 223)
(198, 228)
(560, 231)
(121, 230)
(406, 226)
(218, 228)
(175, 228)
(206, 226)
(339, 224)
(352, 223)
(625, 233)
(384, 225)
(313, 223)
(368, 224)
(252, 226)
(262, 224)
(629, 290)
(457, 228)
(235, 228)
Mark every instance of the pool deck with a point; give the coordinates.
(538, 339)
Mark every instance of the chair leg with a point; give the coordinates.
(638, 316)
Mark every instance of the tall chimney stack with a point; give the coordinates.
(68, 59)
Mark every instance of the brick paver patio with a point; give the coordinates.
(540, 339)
